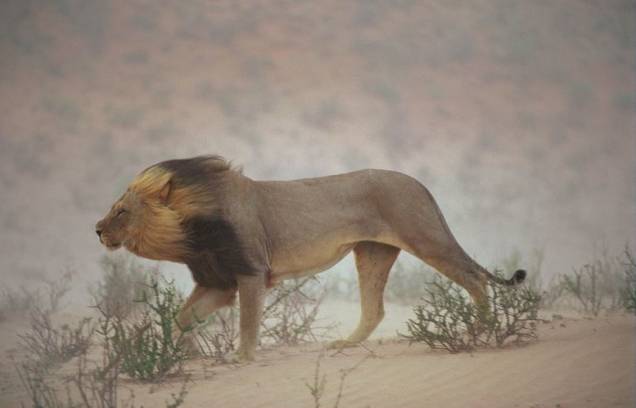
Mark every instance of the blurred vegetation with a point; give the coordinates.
(407, 284)
(124, 281)
(628, 293)
(44, 298)
(596, 286)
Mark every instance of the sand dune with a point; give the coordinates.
(587, 363)
(575, 363)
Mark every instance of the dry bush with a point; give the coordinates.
(97, 383)
(319, 382)
(16, 301)
(552, 294)
(92, 385)
(449, 320)
(582, 284)
(219, 338)
(628, 292)
(341, 286)
(46, 344)
(41, 393)
(47, 296)
(51, 345)
(290, 313)
(595, 286)
(54, 290)
(318, 385)
(124, 280)
(289, 318)
(592, 288)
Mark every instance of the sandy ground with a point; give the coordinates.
(575, 363)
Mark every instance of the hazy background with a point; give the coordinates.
(518, 115)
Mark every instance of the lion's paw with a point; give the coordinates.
(238, 358)
(341, 344)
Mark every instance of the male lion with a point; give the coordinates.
(235, 233)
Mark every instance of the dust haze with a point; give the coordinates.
(518, 116)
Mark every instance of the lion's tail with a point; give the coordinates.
(517, 277)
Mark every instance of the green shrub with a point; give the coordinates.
(146, 345)
(515, 312)
(449, 320)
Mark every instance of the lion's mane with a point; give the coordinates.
(189, 224)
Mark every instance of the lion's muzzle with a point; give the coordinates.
(99, 228)
(104, 238)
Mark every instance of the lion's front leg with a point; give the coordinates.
(252, 292)
(199, 305)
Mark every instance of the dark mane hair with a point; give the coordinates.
(214, 251)
(195, 170)
(190, 223)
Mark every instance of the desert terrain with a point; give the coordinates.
(577, 362)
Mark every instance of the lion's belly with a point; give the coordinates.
(307, 260)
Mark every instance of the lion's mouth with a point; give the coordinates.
(111, 245)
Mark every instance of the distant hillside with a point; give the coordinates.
(518, 115)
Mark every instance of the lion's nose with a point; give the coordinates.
(99, 232)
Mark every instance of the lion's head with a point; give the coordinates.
(122, 222)
(149, 217)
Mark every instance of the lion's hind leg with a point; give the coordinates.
(373, 261)
(465, 273)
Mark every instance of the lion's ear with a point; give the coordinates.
(164, 193)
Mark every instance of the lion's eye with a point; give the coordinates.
(120, 212)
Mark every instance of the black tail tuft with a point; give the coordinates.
(518, 277)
